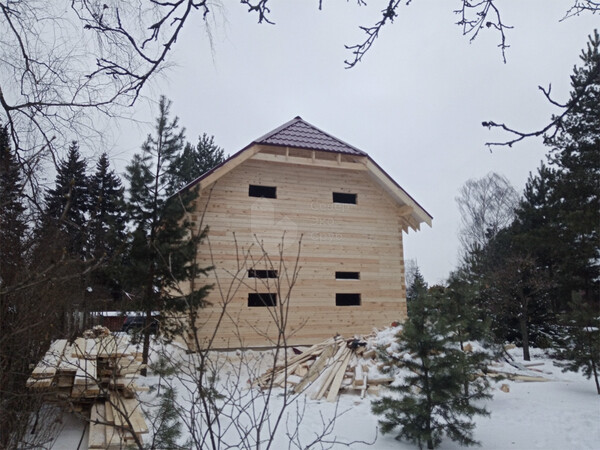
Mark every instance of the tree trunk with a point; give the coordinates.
(525, 337)
(146, 346)
(595, 370)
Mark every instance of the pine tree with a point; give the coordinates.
(162, 253)
(67, 204)
(106, 227)
(430, 400)
(575, 155)
(195, 161)
(578, 346)
(460, 307)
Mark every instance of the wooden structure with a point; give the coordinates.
(298, 183)
(96, 374)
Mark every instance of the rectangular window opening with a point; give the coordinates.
(347, 299)
(347, 275)
(342, 197)
(262, 299)
(254, 273)
(262, 191)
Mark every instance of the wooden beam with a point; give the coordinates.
(229, 166)
(298, 160)
(405, 210)
(397, 193)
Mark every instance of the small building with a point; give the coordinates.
(305, 233)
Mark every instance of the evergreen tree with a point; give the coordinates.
(417, 287)
(514, 288)
(470, 322)
(162, 252)
(575, 155)
(106, 226)
(578, 346)
(67, 204)
(430, 401)
(536, 232)
(13, 225)
(195, 161)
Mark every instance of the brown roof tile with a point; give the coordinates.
(301, 134)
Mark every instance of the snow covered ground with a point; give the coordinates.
(563, 413)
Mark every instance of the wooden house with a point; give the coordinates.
(301, 208)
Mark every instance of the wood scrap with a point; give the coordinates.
(316, 368)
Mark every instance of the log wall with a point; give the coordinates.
(365, 237)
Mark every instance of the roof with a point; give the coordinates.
(298, 133)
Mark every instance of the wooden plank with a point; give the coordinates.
(128, 414)
(316, 368)
(79, 348)
(46, 368)
(91, 348)
(339, 377)
(86, 372)
(299, 359)
(113, 438)
(358, 376)
(379, 381)
(330, 373)
(313, 161)
(97, 433)
(133, 407)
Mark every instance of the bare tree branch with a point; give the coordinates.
(555, 125)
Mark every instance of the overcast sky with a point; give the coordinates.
(415, 103)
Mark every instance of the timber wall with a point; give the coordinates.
(365, 237)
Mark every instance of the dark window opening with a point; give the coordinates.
(253, 273)
(342, 197)
(263, 299)
(347, 299)
(262, 191)
(347, 275)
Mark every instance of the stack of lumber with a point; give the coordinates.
(116, 423)
(339, 365)
(96, 372)
(326, 369)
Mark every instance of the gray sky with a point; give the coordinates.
(415, 103)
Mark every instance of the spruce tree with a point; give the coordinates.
(162, 251)
(417, 287)
(106, 227)
(195, 161)
(429, 400)
(67, 204)
(13, 224)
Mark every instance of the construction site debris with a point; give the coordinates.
(339, 365)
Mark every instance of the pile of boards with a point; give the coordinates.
(328, 368)
(96, 374)
(346, 365)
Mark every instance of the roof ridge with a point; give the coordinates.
(307, 141)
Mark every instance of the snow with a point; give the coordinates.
(563, 413)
